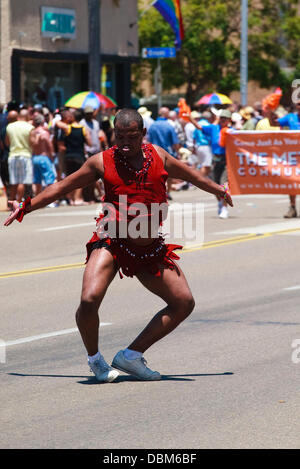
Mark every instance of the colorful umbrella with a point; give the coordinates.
(214, 98)
(90, 98)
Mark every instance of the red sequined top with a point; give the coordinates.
(146, 186)
(125, 186)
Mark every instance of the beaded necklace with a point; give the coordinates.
(139, 174)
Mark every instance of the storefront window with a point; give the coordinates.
(50, 83)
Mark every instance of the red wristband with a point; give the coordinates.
(23, 209)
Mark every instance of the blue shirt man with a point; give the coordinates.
(200, 138)
(213, 132)
(292, 121)
(162, 133)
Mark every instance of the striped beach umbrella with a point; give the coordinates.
(214, 98)
(90, 98)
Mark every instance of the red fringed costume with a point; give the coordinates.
(146, 186)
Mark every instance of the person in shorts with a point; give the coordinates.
(76, 136)
(43, 153)
(214, 132)
(202, 145)
(19, 140)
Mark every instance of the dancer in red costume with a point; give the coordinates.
(138, 172)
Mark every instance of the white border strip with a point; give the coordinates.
(25, 340)
(64, 227)
(296, 287)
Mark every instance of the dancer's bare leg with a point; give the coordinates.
(99, 273)
(173, 288)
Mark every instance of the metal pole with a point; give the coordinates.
(94, 45)
(244, 53)
(158, 84)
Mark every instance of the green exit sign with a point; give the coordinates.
(58, 22)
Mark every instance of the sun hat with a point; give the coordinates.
(88, 110)
(195, 114)
(225, 113)
(144, 111)
(236, 117)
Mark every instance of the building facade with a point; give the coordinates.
(44, 49)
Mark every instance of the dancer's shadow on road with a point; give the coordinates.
(125, 378)
(183, 378)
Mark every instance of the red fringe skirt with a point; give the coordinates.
(132, 259)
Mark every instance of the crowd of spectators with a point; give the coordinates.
(38, 147)
(199, 137)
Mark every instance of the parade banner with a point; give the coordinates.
(263, 162)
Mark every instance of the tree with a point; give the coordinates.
(209, 59)
(274, 30)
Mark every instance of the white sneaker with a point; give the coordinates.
(135, 367)
(224, 213)
(63, 202)
(103, 372)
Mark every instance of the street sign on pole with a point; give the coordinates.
(158, 52)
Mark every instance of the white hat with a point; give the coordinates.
(144, 111)
(195, 115)
(236, 117)
(184, 153)
(216, 112)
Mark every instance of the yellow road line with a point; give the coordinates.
(225, 242)
(237, 239)
(192, 248)
(41, 270)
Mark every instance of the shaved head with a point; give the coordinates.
(12, 116)
(126, 116)
(164, 112)
(24, 115)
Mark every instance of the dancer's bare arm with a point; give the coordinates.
(90, 171)
(178, 170)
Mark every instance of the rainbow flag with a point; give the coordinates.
(171, 12)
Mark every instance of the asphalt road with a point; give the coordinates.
(230, 372)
